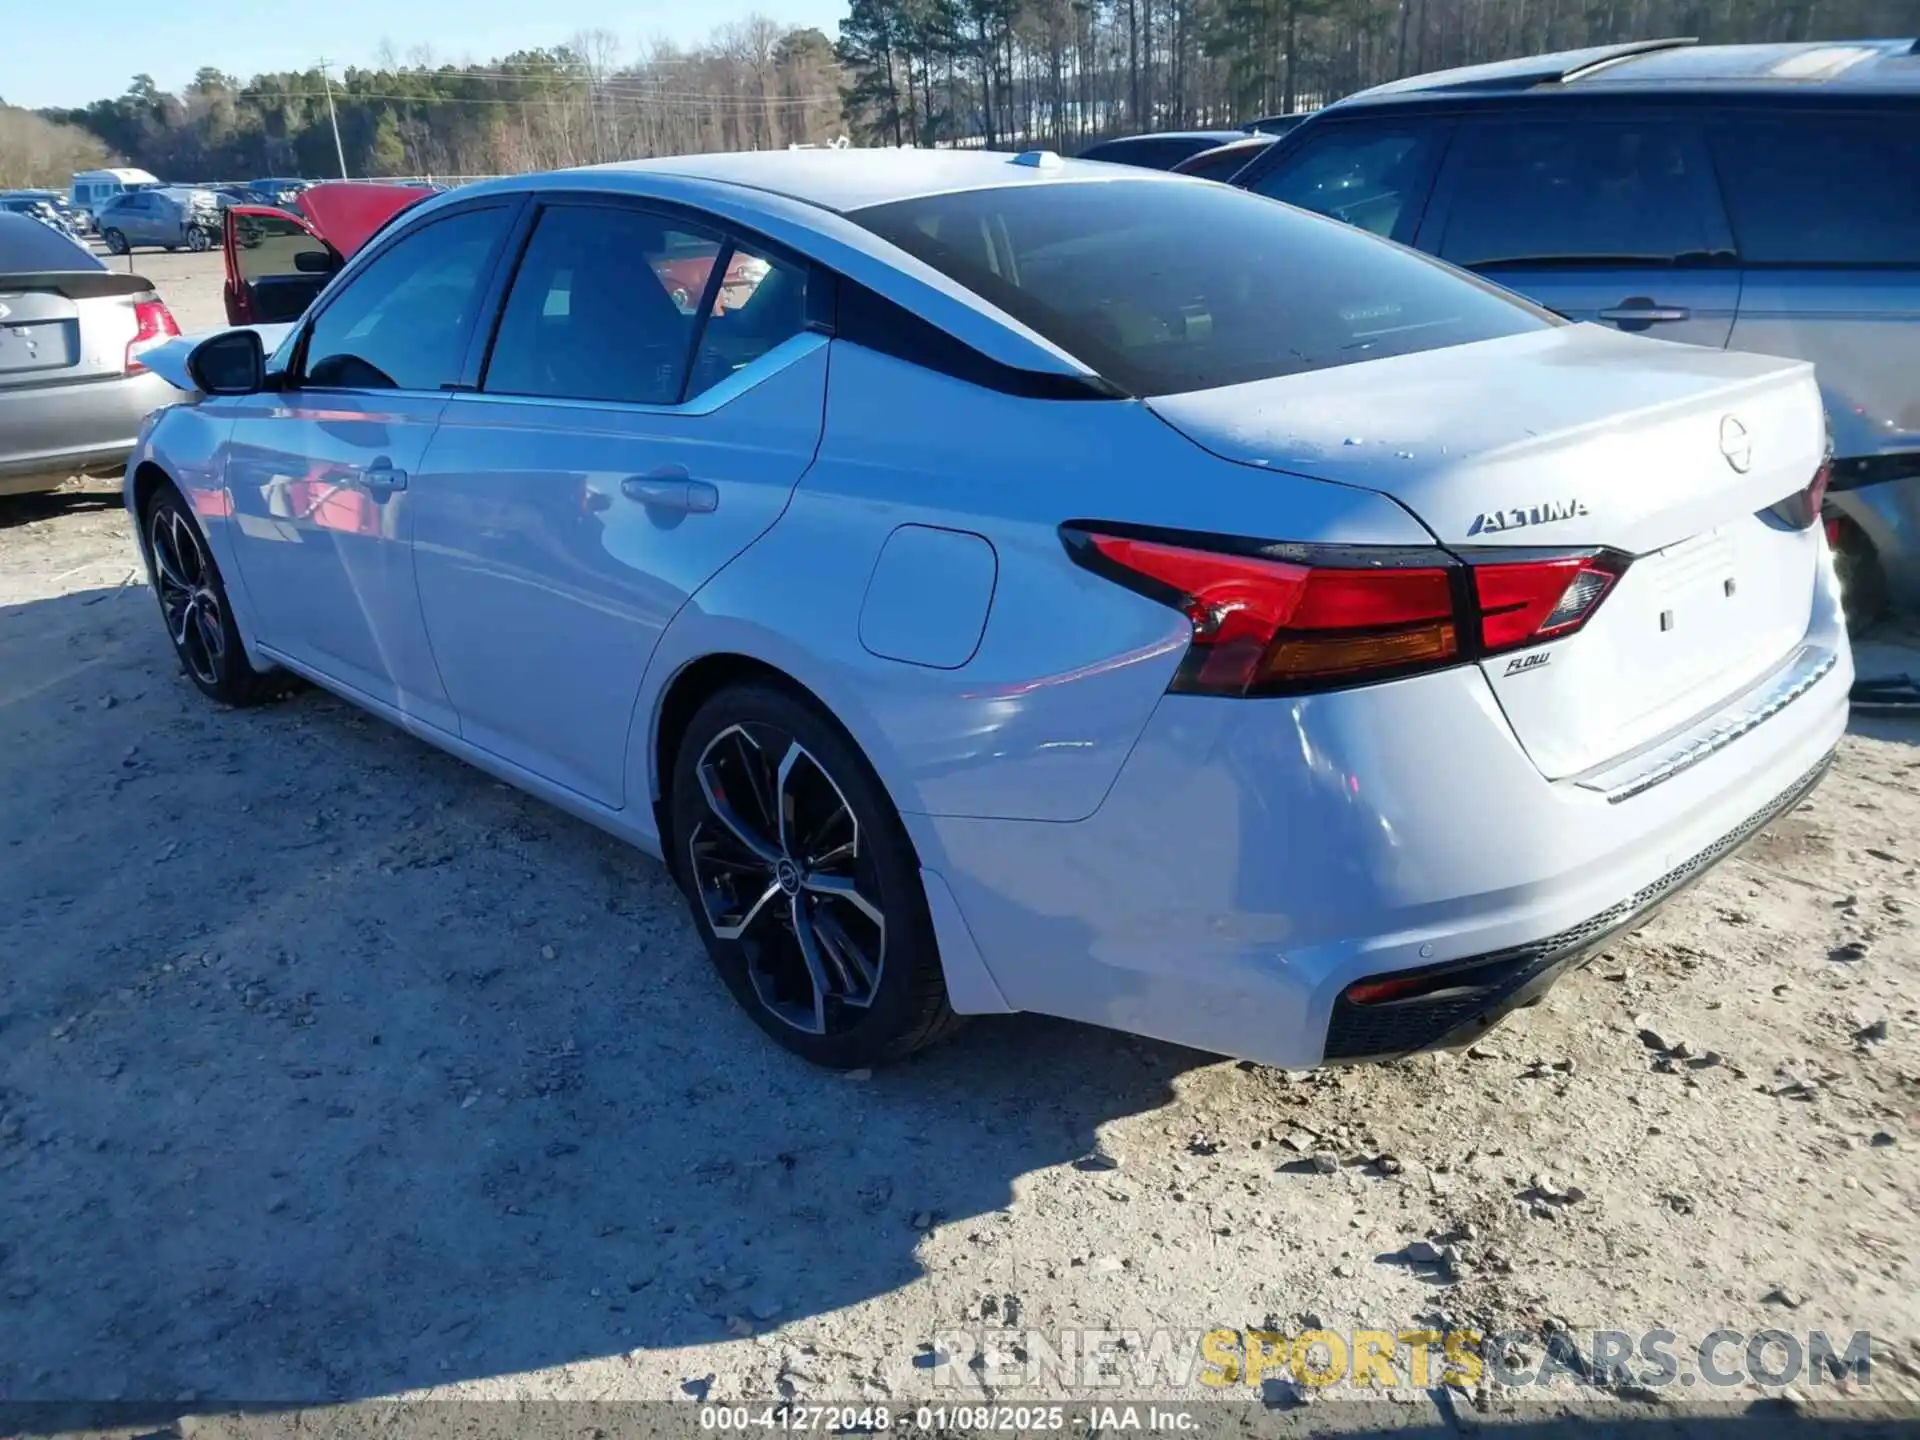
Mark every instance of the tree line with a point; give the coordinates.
(920, 72)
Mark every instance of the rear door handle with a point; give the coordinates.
(381, 479)
(670, 489)
(1645, 312)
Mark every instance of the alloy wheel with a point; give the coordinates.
(779, 868)
(188, 598)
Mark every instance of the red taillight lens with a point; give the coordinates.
(1527, 601)
(1267, 626)
(153, 325)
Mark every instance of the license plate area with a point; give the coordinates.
(38, 345)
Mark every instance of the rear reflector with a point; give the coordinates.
(1279, 619)
(1528, 601)
(154, 325)
(1268, 626)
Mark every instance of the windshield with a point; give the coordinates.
(1165, 288)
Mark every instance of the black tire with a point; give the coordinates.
(115, 242)
(843, 858)
(194, 607)
(1863, 584)
(199, 240)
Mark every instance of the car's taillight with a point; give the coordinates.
(1275, 619)
(1264, 624)
(1523, 602)
(153, 325)
(1802, 508)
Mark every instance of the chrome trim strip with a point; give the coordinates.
(1640, 773)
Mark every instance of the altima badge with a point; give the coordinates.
(1493, 521)
(1736, 444)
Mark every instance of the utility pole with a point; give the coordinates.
(333, 117)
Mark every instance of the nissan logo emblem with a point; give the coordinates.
(1736, 444)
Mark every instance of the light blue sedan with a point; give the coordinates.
(1000, 583)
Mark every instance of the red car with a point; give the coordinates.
(278, 260)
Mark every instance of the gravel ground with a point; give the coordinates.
(333, 1070)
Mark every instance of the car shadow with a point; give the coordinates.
(329, 1068)
(16, 510)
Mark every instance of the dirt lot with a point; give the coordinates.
(333, 1070)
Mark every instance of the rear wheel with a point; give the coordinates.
(193, 603)
(803, 881)
(115, 242)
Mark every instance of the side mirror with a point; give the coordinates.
(231, 363)
(313, 262)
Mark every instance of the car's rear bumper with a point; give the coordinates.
(1254, 859)
(49, 433)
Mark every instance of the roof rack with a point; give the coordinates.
(1627, 50)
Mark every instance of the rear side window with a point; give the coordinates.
(402, 321)
(1568, 192)
(607, 304)
(1168, 287)
(1372, 176)
(26, 245)
(1823, 189)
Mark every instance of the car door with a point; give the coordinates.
(1605, 218)
(1375, 174)
(652, 395)
(319, 468)
(275, 265)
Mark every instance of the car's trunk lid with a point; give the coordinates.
(1565, 439)
(65, 325)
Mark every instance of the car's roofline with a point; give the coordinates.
(1836, 71)
(827, 236)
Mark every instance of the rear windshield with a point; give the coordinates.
(28, 245)
(1164, 288)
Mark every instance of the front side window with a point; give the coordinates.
(1572, 192)
(1823, 189)
(403, 320)
(1168, 287)
(1371, 176)
(271, 245)
(608, 301)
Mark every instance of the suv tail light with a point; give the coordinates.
(153, 325)
(1274, 619)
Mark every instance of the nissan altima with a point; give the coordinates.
(1027, 585)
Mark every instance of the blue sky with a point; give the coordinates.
(68, 54)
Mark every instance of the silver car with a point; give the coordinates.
(169, 218)
(73, 388)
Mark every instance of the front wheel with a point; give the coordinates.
(115, 242)
(803, 882)
(193, 603)
(199, 240)
(1863, 584)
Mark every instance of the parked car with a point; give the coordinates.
(1158, 152)
(1019, 601)
(92, 189)
(278, 260)
(280, 189)
(1750, 197)
(1223, 162)
(168, 218)
(56, 207)
(34, 209)
(73, 378)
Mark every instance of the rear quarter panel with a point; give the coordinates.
(1038, 720)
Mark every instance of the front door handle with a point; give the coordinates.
(1639, 311)
(381, 479)
(669, 489)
